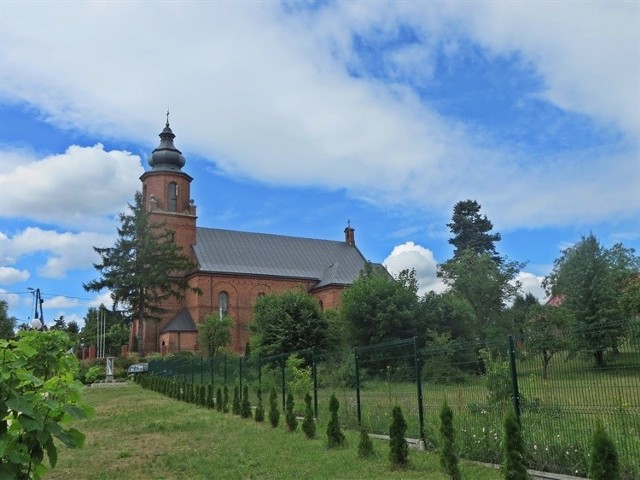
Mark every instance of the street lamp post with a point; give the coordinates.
(38, 316)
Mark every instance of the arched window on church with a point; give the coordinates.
(223, 304)
(172, 196)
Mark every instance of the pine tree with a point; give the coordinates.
(259, 416)
(308, 424)
(290, 417)
(365, 445)
(448, 456)
(604, 458)
(274, 412)
(235, 406)
(245, 407)
(335, 437)
(399, 449)
(515, 467)
(210, 396)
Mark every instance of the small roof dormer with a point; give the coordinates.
(166, 156)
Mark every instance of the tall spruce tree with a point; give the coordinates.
(144, 268)
(472, 231)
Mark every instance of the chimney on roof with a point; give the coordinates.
(349, 234)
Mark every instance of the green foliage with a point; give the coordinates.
(245, 406)
(365, 445)
(298, 375)
(309, 423)
(595, 283)
(290, 416)
(446, 313)
(7, 323)
(214, 333)
(486, 284)
(471, 231)
(515, 467)
(235, 406)
(547, 332)
(335, 437)
(274, 411)
(378, 308)
(497, 377)
(140, 269)
(94, 374)
(448, 455)
(219, 401)
(225, 399)
(287, 322)
(399, 449)
(259, 416)
(604, 457)
(38, 393)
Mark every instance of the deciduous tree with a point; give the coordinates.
(214, 333)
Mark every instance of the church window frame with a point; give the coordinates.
(172, 197)
(223, 304)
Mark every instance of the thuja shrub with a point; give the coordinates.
(448, 456)
(259, 416)
(245, 406)
(219, 399)
(308, 424)
(515, 466)
(210, 396)
(399, 449)
(335, 437)
(235, 406)
(365, 445)
(225, 399)
(290, 417)
(274, 411)
(604, 457)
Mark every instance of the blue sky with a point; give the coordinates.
(298, 116)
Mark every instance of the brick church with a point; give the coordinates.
(232, 268)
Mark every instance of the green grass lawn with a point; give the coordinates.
(139, 434)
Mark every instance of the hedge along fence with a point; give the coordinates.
(480, 381)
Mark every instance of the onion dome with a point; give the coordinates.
(166, 156)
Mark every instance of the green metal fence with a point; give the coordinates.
(558, 406)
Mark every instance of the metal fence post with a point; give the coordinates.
(416, 357)
(514, 377)
(355, 356)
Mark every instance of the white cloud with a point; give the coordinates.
(84, 186)
(9, 275)
(412, 256)
(268, 95)
(64, 251)
(532, 284)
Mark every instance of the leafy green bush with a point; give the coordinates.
(259, 416)
(365, 445)
(399, 449)
(94, 374)
(298, 375)
(309, 423)
(448, 456)
(335, 437)
(290, 417)
(38, 392)
(245, 406)
(274, 411)
(515, 467)
(604, 457)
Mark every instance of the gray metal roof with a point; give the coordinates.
(182, 322)
(326, 261)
